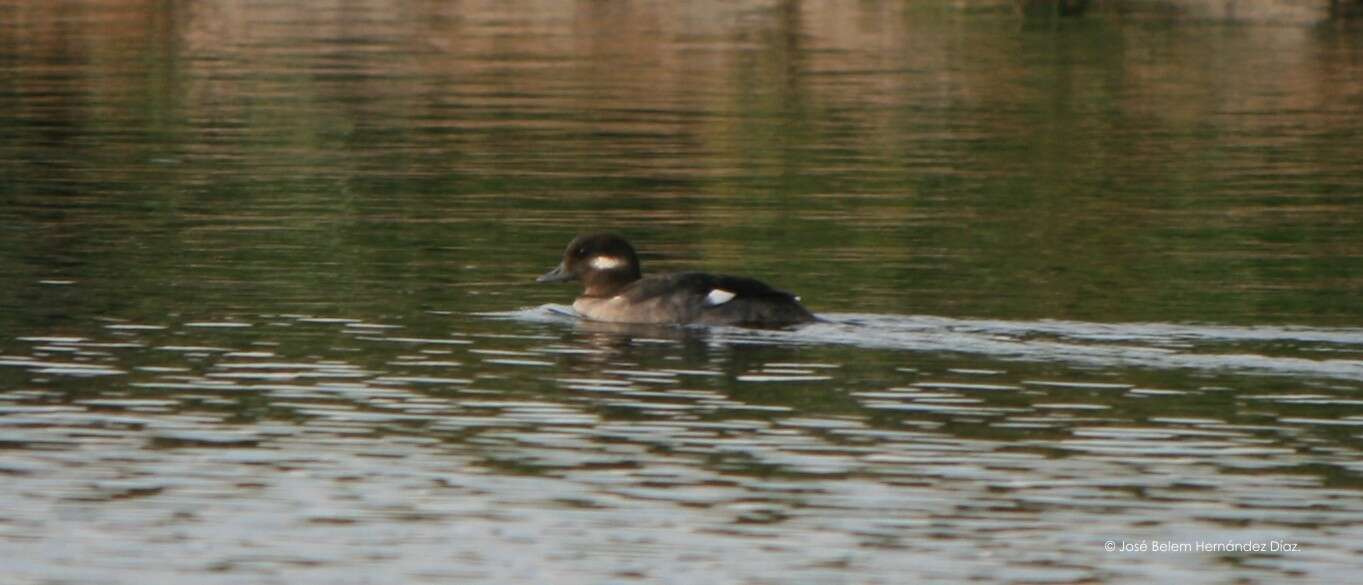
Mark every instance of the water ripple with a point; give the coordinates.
(865, 433)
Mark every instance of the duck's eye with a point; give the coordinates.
(580, 252)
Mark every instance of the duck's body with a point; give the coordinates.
(695, 297)
(617, 292)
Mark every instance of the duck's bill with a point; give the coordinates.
(558, 274)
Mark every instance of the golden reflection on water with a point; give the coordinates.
(613, 63)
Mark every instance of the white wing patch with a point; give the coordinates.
(718, 297)
(606, 262)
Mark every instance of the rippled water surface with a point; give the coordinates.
(267, 313)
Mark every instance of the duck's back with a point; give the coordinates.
(697, 297)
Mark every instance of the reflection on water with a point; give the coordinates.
(884, 159)
(510, 449)
(267, 268)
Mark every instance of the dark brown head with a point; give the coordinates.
(603, 262)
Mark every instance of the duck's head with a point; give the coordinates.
(602, 262)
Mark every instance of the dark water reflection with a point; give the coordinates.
(266, 267)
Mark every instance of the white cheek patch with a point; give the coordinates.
(717, 297)
(606, 262)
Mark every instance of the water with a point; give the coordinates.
(268, 314)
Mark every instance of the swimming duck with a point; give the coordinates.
(616, 291)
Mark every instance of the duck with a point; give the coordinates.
(616, 291)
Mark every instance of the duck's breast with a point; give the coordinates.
(623, 308)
